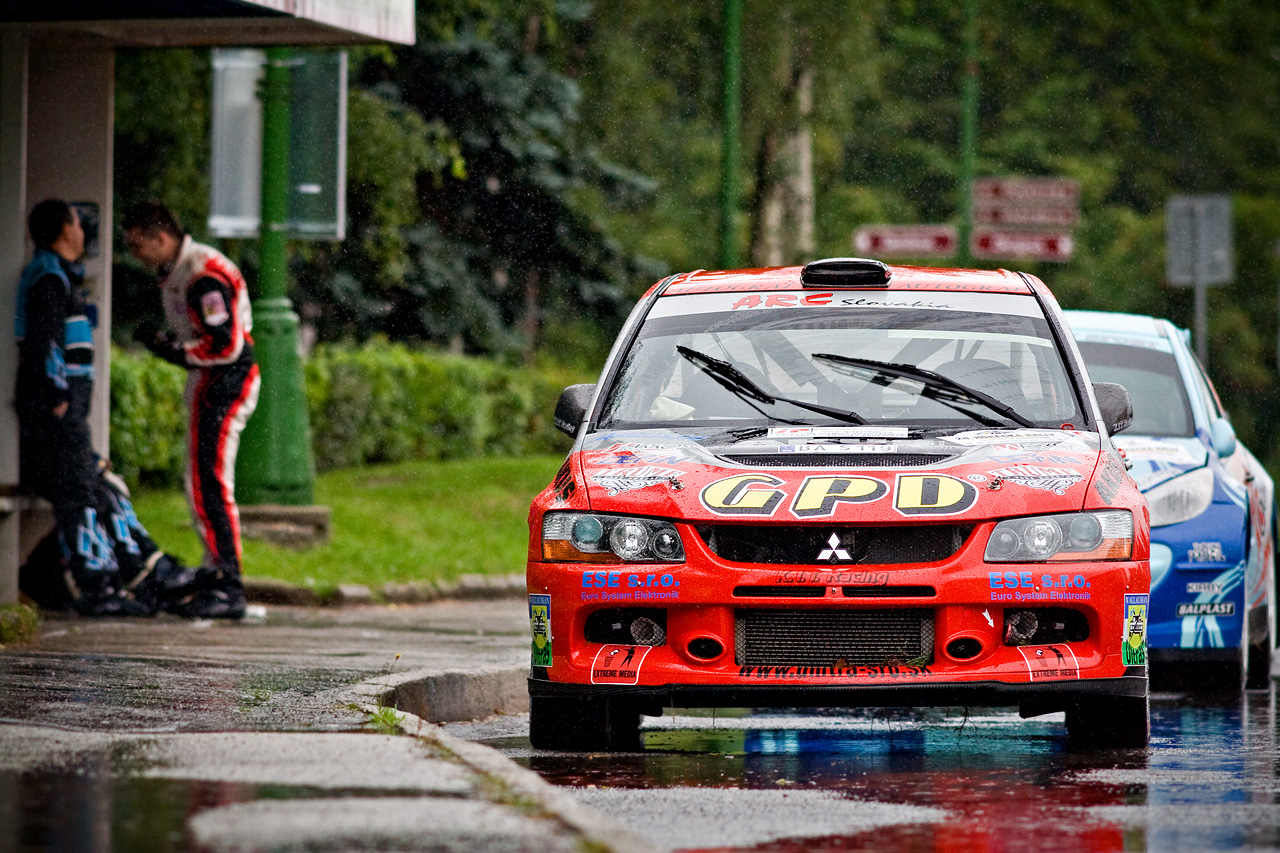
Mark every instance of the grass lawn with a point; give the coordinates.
(394, 523)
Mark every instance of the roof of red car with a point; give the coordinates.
(901, 278)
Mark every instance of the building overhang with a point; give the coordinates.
(163, 23)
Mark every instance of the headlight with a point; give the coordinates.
(1181, 498)
(581, 537)
(1101, 535)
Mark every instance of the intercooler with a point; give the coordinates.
(833, 637)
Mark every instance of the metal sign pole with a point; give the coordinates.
(1202, 287)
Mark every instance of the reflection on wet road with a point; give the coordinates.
(937, 780)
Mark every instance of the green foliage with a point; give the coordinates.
(18, 624)
(415, 521)
(383, 402)
(384, 720)
(380, 402)
(147, 418)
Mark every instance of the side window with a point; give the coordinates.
(1205, 391)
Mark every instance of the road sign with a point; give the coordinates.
(1044, 192)
(906, 241)
(1046, 202)
(1002, 213)
(317, 145)
(1198, 248)
(1007, 244)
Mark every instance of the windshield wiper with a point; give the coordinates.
(735, 381)
(937, 387)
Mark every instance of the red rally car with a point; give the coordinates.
(846, 485)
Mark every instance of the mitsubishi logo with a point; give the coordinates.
(834, 552)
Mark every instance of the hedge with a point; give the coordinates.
(378, 402)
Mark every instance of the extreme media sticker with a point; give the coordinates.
(618, 664)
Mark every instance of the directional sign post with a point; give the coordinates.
(906, 241)
(1003, 243)
(1009, 212)
(1198, 253)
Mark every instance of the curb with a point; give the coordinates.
(473, 587)
(598, 830)
(448, 697)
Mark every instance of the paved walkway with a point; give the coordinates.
(267, 733)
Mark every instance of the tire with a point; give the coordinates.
(1110, 722)
(583, 725)
(1258, 666)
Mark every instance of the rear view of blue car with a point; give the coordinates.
(1213, 581)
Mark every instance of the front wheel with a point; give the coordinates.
(1122, 722)
(583, 724)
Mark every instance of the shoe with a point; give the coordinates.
(218, 595)
(165, 581)
(99, 597)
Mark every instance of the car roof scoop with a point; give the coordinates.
(845, 272)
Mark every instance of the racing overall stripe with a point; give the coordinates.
(223, 400)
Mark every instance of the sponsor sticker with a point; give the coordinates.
(1206, 552)
(617, 480)
(1207, 608)
(1043, 477)
(1110, 478)
(1051, 663)
(818, 496)
(1134, 649)
(618, 664)
(540, 626)
(838, 670)
(1165, 451)
(833, 578)
(933, 494)
(1210, 587)
(214, 308)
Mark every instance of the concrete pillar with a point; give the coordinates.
(13, 140)
(70, 127)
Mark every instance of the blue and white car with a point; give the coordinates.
(1213, 584)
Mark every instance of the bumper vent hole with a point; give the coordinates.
(964, 648)
(705, 648)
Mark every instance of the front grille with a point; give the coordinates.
(833, 638)
(797, 591)
(802, 546)
(837, 460)
(889, 591)
(779, 591)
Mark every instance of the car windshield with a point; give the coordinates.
(865, 357)
(1160, 404)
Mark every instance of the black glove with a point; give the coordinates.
(148, 332)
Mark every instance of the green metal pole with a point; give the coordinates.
(968, 128)
(729, 144)
(275, 464)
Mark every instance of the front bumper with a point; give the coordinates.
(1034, 698)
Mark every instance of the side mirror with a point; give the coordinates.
(1223, 436)
(1115, 405)
(571, 408)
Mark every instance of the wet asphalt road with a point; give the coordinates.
(933, 780)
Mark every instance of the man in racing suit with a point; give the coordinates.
(53, 393)
(206, 307)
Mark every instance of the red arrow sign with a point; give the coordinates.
(1000, 213)
(906, 241)
(1000, 244)
(1046, 192)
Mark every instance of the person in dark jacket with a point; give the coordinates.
(54, 389)
(206, 308)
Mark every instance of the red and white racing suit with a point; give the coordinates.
(206, 304)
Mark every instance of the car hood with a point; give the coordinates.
(1157, 460)
(805, 474)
